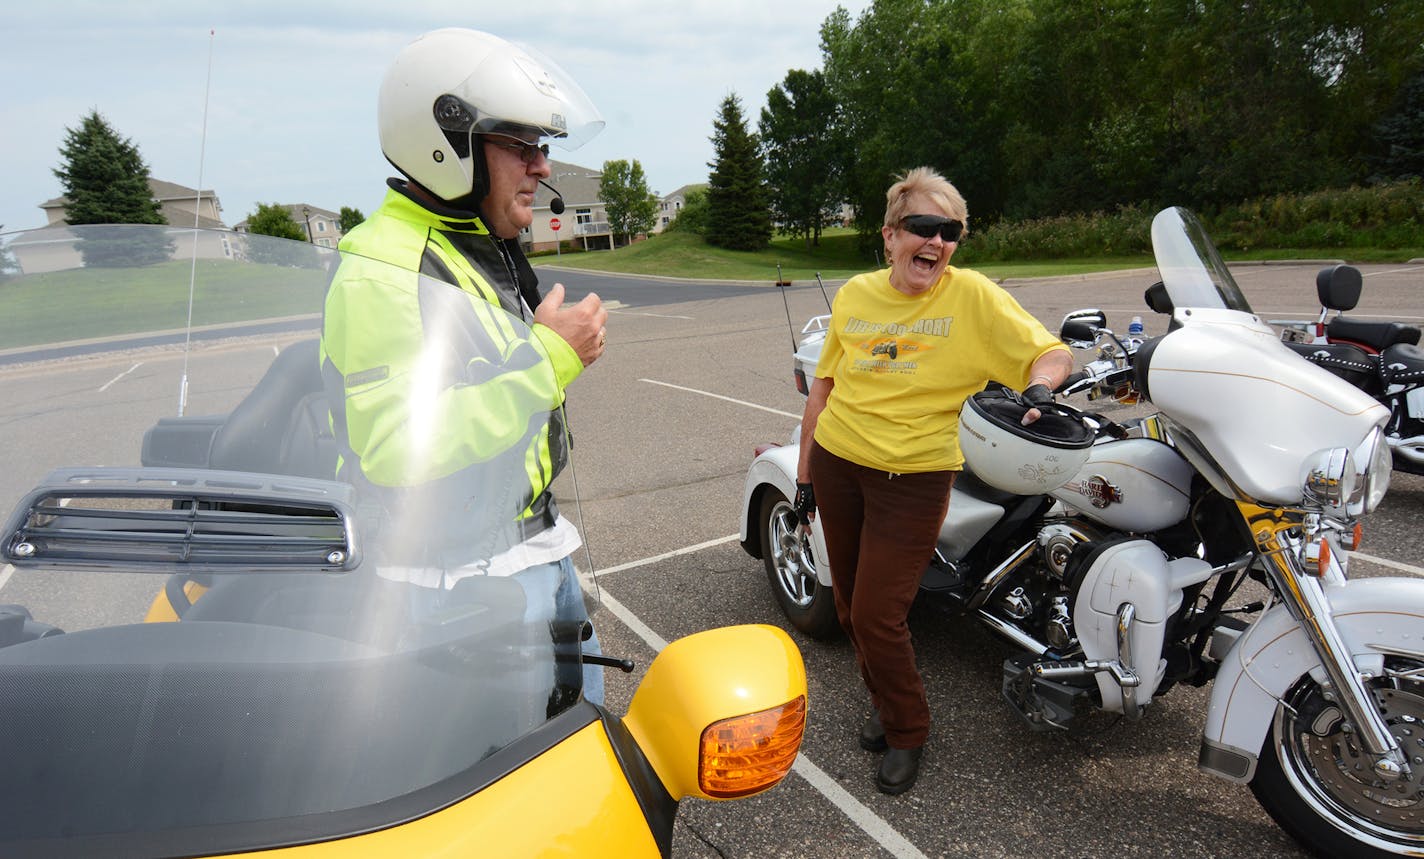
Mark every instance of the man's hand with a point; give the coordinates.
(582, 325)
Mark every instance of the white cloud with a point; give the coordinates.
(291, 106)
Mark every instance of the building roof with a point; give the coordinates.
(160, 190)
(577, 185)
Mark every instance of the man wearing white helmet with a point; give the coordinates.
(462, 115)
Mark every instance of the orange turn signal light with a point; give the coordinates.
(747, 754)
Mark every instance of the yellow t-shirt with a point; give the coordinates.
(904, 365)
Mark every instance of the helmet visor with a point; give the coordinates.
(517, 91)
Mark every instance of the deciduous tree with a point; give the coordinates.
(802, 163)
(632, 208)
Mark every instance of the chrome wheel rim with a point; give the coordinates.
(1334, 775)
(791, 557)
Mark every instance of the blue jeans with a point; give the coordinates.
(552, 591)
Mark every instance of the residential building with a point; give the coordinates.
(322, 226)
(670, 205)
(181, 206)
(52, 247)
(584, 221)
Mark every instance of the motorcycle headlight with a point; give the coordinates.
(1331, 481)
(1377, 464)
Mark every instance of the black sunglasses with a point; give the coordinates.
(926, 226)
(528, 152)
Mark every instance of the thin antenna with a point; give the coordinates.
(824, 297)
(782, 285)
(197, 207)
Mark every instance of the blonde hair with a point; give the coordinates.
(925, 182)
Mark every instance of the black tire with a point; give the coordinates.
(1314, 780)
(791, 570)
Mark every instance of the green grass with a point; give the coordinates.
(684, 255)
(92, 303)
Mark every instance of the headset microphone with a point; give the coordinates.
(556, 205)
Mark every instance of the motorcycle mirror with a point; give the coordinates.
(1157, 298)
(1078, 331)
(1092, 315)
(1338, 287)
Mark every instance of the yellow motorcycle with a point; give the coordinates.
(322, 672)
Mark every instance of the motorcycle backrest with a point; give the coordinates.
(1338, 287)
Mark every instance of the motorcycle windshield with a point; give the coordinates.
(204, 624)
(1189, 264)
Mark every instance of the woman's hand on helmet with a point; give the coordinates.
(1036, 396)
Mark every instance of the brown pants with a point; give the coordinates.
(880, 531)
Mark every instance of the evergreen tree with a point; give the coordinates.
(739, 214)
(105, 178)
(105, 181)
(632, 208)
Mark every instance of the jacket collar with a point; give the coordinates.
(404, 204)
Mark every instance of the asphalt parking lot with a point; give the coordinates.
(664, 427)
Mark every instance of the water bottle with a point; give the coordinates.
(1134, 328)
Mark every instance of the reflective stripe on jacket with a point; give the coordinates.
(375, 327)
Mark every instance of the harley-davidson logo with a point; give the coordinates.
(1099, 491)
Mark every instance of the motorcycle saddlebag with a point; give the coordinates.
(1350, 363)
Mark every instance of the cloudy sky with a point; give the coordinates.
(290, 110)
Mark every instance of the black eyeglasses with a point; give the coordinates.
(528, 152)
(926, 226)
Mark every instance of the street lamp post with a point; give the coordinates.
(306, 214)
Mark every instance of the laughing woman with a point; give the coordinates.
(907, 345)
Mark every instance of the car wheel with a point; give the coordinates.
(791, 569)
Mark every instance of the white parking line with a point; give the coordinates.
(869, 822)
(120, 376)
(1393, 565)
(720, 397)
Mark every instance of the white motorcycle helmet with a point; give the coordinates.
(1025, 460)
(449, 85)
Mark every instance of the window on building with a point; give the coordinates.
(321, 226)
(583, 216)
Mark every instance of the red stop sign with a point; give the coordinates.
(554, 224)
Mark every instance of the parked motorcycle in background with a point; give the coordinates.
(1380, 357)
(1200, 543)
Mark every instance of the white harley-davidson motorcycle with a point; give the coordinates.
(1118, 562)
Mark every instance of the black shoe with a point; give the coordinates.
(898, 770)
(872, 736)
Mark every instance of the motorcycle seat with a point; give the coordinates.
(1374, 334)
(1402, 364)
(1345, 360)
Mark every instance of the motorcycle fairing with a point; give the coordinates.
(1375, 617)
(1224, 356)
(1136, 573)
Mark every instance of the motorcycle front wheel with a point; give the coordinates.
(1318, 784)
(791, 568)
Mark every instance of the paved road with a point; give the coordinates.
(665, 425)
(696, 375)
